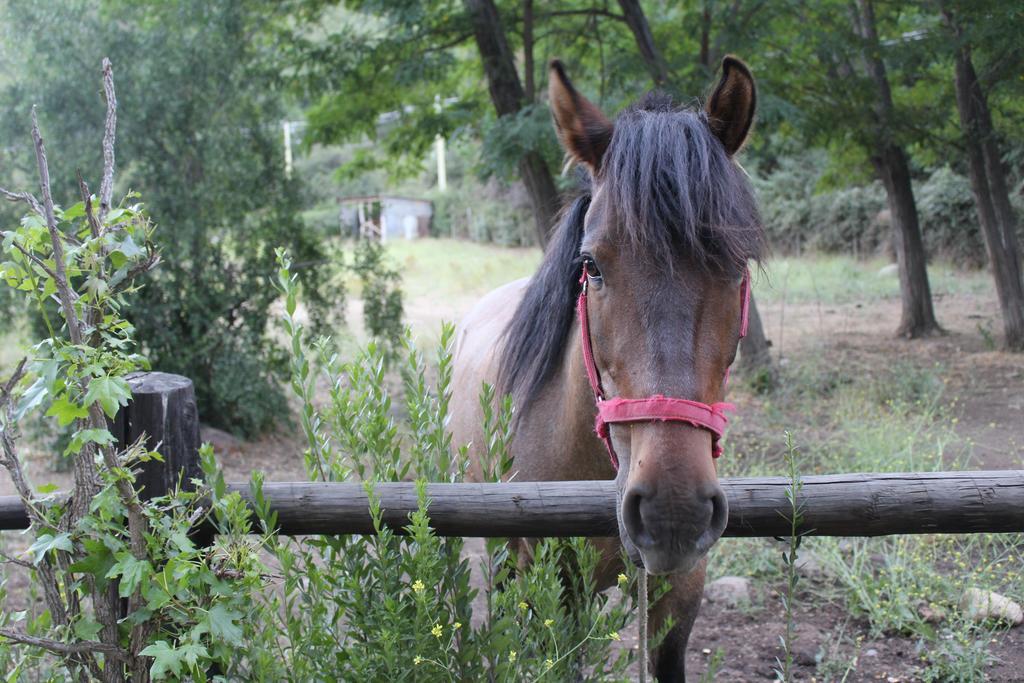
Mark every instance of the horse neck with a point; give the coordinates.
(569, 395)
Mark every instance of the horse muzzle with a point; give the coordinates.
(670, 535)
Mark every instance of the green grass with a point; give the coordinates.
(843, 280)
(443, 269)
(892, 418)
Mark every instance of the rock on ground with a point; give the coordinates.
(979, 605)
(729, 590)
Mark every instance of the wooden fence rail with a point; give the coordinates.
(163, 408)
(833, 505)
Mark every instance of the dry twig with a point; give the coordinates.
(109, 129)
(22, 197)
(83, 647)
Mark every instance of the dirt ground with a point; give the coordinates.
(985, 392)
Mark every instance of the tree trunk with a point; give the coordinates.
(754, 353)
(528, 67)
(991, 196)
(637, 22)
(705, 37)
(890, 162)
(509, 98)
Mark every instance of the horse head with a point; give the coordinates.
(666, 238)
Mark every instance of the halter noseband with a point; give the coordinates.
(618, 410)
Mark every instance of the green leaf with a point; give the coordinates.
(97, 561)
(32, 397)
(110, 392)
(166, 659)
(87, 629)
(74, 211)
(84, 436)
(192, 652)
(222, 624)
(66, 412)
(48, 542)
(131, 571)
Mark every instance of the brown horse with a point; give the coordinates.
(662, 237)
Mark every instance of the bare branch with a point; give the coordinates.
(85, 647)
(107, 186)
(60, 273)
(4, 557)
(12, 381)
(592, 12)
(94, 224)
(22, 197)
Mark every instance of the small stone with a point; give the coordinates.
(729, 590)
(871, 652)
(223, 443)
(932, 614)
(980, 605)
(805, 657)
(706, 651)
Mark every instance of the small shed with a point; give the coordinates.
(385, 217)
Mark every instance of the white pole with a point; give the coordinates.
(442, 166)
(287, 148)
(439, 152)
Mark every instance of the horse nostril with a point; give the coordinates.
(719, 515)
(633, 516)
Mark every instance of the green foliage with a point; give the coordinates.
(381, 294)
(784, 665)
(896, 419)
(802, 211)
(404, 607)
(201, 107)
(949, 221)
(183, 603)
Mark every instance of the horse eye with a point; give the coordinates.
(593, 272)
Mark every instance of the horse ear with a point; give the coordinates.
(731, 107)
(583, 130)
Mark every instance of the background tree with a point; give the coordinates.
(985, 161)
(837, 87)
(509, 99)
(202, 133)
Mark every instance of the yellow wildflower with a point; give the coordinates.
(457, 625)
(417, 586)
(548, 663)
(437, 630)
(614, 635)
(623, 579)
(417, 660)
(523, 606)
(512, 655)
(549, 622)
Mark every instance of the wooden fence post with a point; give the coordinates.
(163, 408)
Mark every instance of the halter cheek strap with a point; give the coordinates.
(710, 417)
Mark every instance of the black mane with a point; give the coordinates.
(673, 189)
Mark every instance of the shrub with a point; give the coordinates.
(800, 215)
(949, 221)
(376, 607)
(385, 606)
(125, 589)
(206, 153)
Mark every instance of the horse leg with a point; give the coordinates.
(681, 602)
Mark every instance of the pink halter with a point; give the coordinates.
(616, 410)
